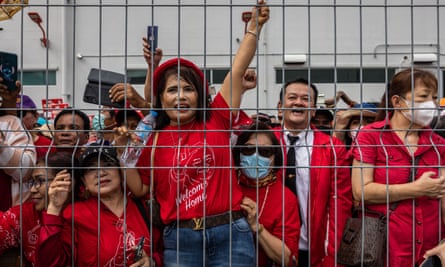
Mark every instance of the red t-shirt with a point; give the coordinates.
(98, 241)
(272, 210)
(378, 145)
(193, 166)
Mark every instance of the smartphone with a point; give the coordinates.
(8, 69)
(432, 261)
(139, 249)
(152, 37)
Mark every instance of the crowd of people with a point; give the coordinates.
(214, 186)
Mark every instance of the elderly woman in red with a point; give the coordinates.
(397, 167)
(105, 229)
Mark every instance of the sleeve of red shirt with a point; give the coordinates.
(222, 110)
(53, 248)
(340, 204)
(365, 147)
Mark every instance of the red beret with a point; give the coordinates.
(172, 63)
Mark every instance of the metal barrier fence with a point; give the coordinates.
(216, 177)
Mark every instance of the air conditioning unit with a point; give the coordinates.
(295, 59)
(424, 58)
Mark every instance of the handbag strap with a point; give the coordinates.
(142, 210)
(137, 201)
(411, 177)
(360, 209)
(393, 205)
(152, 159)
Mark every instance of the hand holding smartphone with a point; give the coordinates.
(8, 70)
(152, 37)
(139, 250)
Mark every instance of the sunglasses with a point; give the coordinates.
(263, 151)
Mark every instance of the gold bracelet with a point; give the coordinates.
(253, 33)
(260, 229)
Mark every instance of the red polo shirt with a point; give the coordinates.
(378, 145)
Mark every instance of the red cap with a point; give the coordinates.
(172, 63)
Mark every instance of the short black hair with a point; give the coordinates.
(325, 112)
(81, 114)
(303, 81)
(126, 114)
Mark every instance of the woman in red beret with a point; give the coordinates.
(191, 168)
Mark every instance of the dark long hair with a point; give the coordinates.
(78, 112)
(191, 77)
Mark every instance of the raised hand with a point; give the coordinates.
(147, 54)
(120, 90)
(260, 15)
(249, 79)
(58, 192)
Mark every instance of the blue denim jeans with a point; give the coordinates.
(223, 245)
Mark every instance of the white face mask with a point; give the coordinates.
(422, 113)
(353, 132)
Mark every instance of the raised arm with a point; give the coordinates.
(17, 152)
(232, 88)
(54, 247)
(152, 65)
(134, 182)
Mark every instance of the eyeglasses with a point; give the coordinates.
(38, 182)
(265, 151)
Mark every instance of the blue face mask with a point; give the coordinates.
(255, 166)
(98, 122)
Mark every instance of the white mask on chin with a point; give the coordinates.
(422, 113)
(353, 132)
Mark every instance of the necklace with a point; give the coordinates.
(180, 131)
(264, 202)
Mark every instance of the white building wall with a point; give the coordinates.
(84, 35)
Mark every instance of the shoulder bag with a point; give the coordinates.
(364, 237)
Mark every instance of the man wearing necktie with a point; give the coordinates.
(318, 172)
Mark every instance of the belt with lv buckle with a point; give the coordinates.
(210, 221)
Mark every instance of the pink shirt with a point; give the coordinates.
(378, 145)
